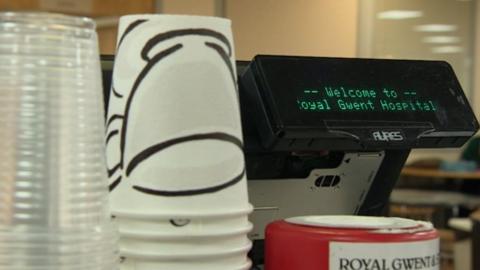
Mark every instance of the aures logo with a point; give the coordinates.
(387, 136)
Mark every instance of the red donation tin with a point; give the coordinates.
(351, 243)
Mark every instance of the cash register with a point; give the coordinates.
(331, 135)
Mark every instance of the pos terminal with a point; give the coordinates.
(331, 135)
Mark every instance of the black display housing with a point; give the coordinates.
(274, 86)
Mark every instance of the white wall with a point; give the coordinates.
(191, 7)
(300, 27)
(476, 65)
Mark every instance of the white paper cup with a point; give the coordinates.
(174, 106)
(177, 226)
(185, 245)
(182, 235)
(133, 264)
(199, 255)
(169, 214)
(245, 266)
(228, 258)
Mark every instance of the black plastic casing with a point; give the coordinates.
(349, 134)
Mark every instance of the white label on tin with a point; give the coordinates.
(421, 255)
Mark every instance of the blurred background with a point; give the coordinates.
(402, 29)
(441, 185)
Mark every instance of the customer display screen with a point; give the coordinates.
(307, 91)
(351, 99)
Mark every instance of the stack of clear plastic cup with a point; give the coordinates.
(54, 210)
(174, 152)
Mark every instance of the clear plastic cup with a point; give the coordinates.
(52, 165)
(106, 266)
(66, 246)
(55, 234)
(86, 266)
(35, 256)
(97, 258)
(112, 266)
(53, 192)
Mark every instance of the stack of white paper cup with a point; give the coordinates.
(53, 186)
(174, 145)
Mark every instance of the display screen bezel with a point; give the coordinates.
(280, 79)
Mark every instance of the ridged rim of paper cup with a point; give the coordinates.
(206, 255)
(155, 216)
(354, 222)
(246, 266)
(47, 18)
(183, 235)
(174, 17)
